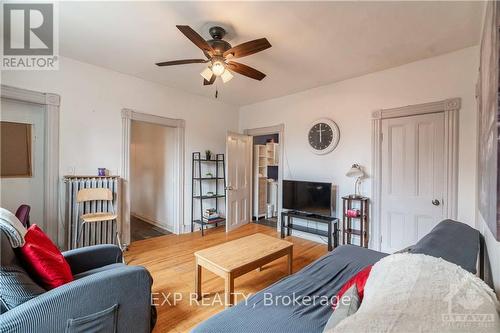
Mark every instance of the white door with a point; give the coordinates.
(238, 184)
(26, 190)
(412, 179)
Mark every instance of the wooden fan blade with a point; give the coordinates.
(212, 80)
(194, 37)
(248, 48)
(245, 70)
(181, 62)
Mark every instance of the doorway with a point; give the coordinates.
(265, 161)
(415, 171)
(152, 148)
(153, 176)
(267, 174)
(243, 171)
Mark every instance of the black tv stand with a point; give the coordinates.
(332, 223)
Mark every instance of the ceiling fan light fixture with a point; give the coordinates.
(217, 51)
(218, 68)
(207, 73)
(226, 76)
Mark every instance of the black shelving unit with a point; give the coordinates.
(360, 204)
(331, 233)
(197, 188)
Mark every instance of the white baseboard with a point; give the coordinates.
(153, 222)
(186, 229)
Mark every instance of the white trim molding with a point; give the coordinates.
(450, 108)
(179, 124)
(265, 130)
(51, 103)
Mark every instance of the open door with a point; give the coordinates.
(238, 190)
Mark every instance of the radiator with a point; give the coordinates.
(93, 233)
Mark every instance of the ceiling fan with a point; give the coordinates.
(219, 54)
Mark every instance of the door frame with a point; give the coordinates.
(449, 107)
(280, 130)
(128, 115)
(56, 228)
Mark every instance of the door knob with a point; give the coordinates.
(435, 202)
(229, 188)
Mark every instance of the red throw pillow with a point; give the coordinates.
(44, 260)
(359, 279)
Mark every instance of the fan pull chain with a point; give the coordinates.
(216, 91)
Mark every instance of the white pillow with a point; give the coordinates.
(12, 227)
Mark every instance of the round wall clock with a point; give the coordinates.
(323, 136)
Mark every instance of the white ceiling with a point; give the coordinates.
(313, 43)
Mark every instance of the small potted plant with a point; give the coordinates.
(208, 154)
(209, 175)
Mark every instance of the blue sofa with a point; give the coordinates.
(273, 309)
(105, 296)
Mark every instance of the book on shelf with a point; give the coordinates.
(210, 220)
(205, 219)
(210, 214)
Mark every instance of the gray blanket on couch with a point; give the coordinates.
(322, 279)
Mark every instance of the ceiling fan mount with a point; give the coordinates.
(220, 46)
(217, 32)
(219, 54)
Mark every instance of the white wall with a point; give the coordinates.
(90, 122)
(152, 157)
(350, 103)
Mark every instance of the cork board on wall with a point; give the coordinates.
(15, 150)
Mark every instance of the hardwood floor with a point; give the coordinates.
(170, 260)
(140, 230)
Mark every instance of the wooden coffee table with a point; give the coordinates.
(235, 258)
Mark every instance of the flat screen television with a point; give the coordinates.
(308, 197)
